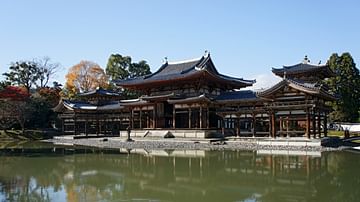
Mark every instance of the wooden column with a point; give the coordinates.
(154, 116)
(314, 124)
(319, 124)
(287, 127)
(132, 119)
(147, 119)
(201, 117)
(140, 117)
(207, 118)
(273, 125)
(75, 125)
(97, 124)
(223, 125)
(253, 124)
(307, 124)
(238, 126)
(189, 111)
(270, 125)
(174, 117)
(325, 125)
(281, 126)
(86, 132)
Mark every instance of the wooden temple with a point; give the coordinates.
(191, 96)
(96, 112)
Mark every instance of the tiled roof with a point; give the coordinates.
(72, 105)
(312, 88)
(298, 68)
(183, 70)
(100, 91)
(237, 95)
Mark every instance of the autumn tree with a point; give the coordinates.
(346, 85)
(14, 106)
(23, 73)
(84, 77)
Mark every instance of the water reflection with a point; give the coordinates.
(174, 176)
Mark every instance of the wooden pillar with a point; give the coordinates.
(207, 118)
(201, 117)
(147, 119)
(270, 125)
(319, 124)
(287, 127)
(132, 119)
(97, 124)
(281, 126)
(314, 124)
(75, 125)
(154, 116)
(174, 117)
(253, 124)
(325, 125)
(223, 125)
(189, 111)
(273, 125)
(140, 117)
(86, 132)
(238, 126)
(307, 124)
(63, 125)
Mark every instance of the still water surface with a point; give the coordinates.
(179, 176)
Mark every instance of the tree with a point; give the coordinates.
(118, 66)
(139, 69)
(46, 70)
(23, 73)
(14, 106)
(121, 67)
(84, 77)
(346, 85)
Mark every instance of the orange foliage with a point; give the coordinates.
(85, 76)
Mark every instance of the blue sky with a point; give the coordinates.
(245, 38)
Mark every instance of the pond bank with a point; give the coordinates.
(196, 144)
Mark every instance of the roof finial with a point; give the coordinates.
(306, 60)
(285, 75)
(165, 61)
(207, 53)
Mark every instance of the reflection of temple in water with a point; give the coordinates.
(171, 176)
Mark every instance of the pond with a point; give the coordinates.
(48, 173)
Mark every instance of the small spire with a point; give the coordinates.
(165, 61)
(207, 53)
(306, 60)
(284, 75)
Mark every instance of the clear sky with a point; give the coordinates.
(245, 38)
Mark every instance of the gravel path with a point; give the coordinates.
(116, 143)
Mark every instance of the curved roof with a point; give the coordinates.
(184, 71)
(305, 68)
(99, 91)
(71, 105)
(311, 88)
(243, 95)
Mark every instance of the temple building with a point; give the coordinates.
(192, 99)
